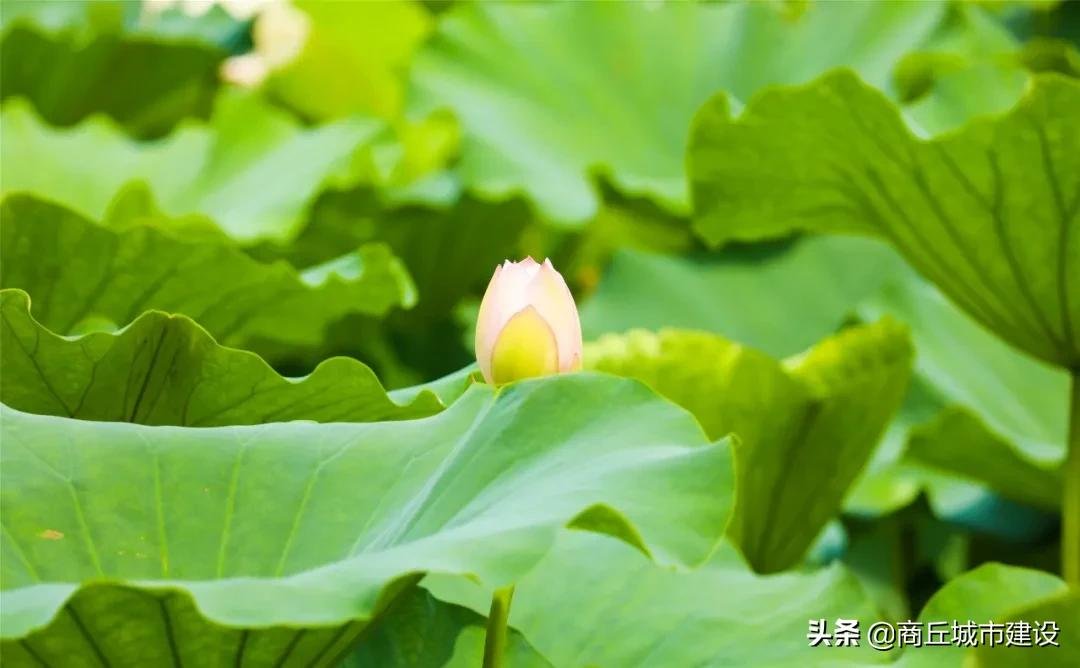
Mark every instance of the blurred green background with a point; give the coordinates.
(440, 138)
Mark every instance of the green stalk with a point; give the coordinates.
(495, 641)
(1070, 531)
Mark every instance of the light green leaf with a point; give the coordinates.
(77, 271)
(147, 85)
(281, 541)
(448, 388)
(963, 91)
(251, 169)
(989, 214)
(1022, 399)
(984, 413)
(719, 615)
(166, 370)
(82, 18)
(970, 67)
(779, 300)
(353, 59)
(988, 593)
(958, 443)
(806, 427)
(550, 94)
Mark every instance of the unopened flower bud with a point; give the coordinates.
(528, 324)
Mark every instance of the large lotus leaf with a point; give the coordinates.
(806, 428)
(78, 273)
(721, 614)
(251, 169)
(989, 214)
(745, 294)
(353, 59)
(548, 94)
(145, 84)
(166, 370)
(280, 541)
(988, 593)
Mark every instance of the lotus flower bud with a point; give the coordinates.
(528, 324)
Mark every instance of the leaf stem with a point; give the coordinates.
(495, 641)
(1070, 532)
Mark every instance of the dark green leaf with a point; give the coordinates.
(146, 85)
(166, 370)
(989, 214)
(78, 273)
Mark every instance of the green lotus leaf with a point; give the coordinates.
(353, 60)
(806, 427)
(166, 370)
(742, 293)
(147, 85)
(281, 541)
(79, 273)
(721, 614)
(988, 593)
(549, 94)
(1062, 608)
(972, 66)
(960, 464)
(989, 213)
(1017, 397)
(985, 413)
(251, 168)
(958, 443)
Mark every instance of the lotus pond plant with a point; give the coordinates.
(809, 364)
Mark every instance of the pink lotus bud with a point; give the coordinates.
(528, 324)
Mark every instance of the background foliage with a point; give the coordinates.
(827, 258)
